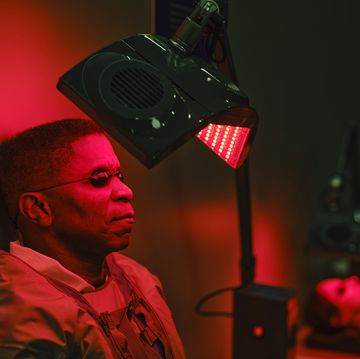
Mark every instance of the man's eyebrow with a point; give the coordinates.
(105, 168)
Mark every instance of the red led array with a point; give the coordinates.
(228, 142)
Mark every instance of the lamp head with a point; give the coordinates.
(151, 97)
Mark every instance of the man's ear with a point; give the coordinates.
(35, 208)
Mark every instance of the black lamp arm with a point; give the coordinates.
(193, 27)
(214, 14)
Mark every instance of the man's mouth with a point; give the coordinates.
(125, 217)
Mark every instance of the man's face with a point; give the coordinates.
(344, 294)
(92, 220)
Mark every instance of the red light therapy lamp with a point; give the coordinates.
(151, 96)
(227, 139)
(227, 142)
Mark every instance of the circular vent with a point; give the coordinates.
(136, 88)
(129, 91)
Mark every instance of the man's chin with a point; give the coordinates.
(120, 243)
(123, 246)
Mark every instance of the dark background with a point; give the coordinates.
(297, 61)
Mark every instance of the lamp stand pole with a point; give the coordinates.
(263, 319)
(242, 174)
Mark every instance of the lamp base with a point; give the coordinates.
(264, 322)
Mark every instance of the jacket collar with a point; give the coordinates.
(50, 267)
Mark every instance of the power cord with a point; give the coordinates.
(203, 300)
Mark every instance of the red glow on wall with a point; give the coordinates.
(228, 142)
(213, 225)
(272, 245)
(32, 58)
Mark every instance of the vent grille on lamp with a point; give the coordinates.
(136, 88)
(228, 142)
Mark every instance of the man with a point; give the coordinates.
(334, 307)
(65, 292)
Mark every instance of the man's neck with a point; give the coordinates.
(94, 272)
(92, 268)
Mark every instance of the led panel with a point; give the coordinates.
(228, 142)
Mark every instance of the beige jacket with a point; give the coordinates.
(37, 320)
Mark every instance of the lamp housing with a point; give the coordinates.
(151, 97)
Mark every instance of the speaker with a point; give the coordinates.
(336, 233)
(264, 322)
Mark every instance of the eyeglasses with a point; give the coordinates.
(99, 179)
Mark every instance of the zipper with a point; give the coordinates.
(152, 312)
(121, 344)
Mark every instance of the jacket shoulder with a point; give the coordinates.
(33, 314)
(133, 270)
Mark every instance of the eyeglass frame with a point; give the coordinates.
(116, 173)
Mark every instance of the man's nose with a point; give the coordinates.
(121, 191)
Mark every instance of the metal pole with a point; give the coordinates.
(247, 261)
(242, 176)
